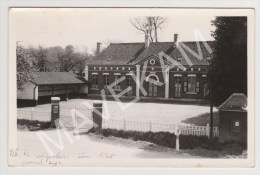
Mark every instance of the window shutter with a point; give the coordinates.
(199, 78)
(197, 87)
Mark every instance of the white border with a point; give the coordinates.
(144, 162)
(116, 3)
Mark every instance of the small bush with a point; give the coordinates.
(233, 149)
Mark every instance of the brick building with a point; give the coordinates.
(163, 70)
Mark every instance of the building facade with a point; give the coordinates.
(163, 70)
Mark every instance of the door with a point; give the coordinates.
(205, 90)
(177, 86)
(152, 90)
(152, 87)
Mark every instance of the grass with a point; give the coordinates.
(203, 119)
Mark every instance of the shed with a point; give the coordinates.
(233, 119)
(47, 84)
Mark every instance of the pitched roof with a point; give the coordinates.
(51, 78)
(154, 48)
(188, 52)
(120, 54)
(133, 53)
(236, 102)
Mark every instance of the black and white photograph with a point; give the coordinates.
(131, 87)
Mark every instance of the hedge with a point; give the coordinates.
(168, 139)
(34, 125)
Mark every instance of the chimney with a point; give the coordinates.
(98, 48)
(146, 42)
(175, 38)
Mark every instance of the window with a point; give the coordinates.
(128, 80)
(129, 83)
(95, 81)
(152, 61)
(235, 125)
(117, 85)
(192, 83)
(109, 58)
(106, 80)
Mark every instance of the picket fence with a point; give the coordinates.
(31, 114)
(158, 127)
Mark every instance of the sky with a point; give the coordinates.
(84, 27)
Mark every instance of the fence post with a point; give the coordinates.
(124, 125)
(97, 114)
(207, 130)
(150, 126)
(75, 123)
(31, 113)
(177, 134)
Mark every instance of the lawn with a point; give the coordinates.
(203, 119)
(140, 112)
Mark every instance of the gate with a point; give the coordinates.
(76, 118)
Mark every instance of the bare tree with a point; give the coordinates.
(157, 24)
(149, 25)
(72, 61)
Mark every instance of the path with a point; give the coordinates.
(95, 147)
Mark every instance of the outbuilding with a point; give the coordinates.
(47, 84)
(233, 119)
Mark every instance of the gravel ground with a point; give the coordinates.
(94, 146)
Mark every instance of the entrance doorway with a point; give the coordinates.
(152, 86)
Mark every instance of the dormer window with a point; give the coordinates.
(109, 58)
(179, 60)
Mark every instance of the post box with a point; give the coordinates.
(55, 110)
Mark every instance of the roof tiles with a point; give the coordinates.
(133, 53)
(51, 78)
